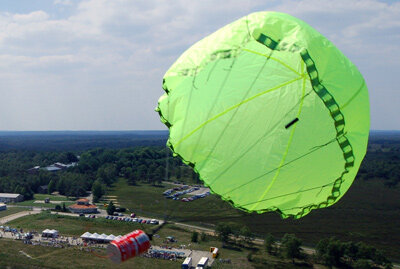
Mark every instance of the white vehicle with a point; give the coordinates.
(187, 263)
(203, 262)
(154, 221)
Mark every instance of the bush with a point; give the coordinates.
(203, 237)
(195, 236)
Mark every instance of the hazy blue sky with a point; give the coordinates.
(98, 64)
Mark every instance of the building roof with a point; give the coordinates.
(75, 206)
(52, 168)
(9, 195)
(84, 200)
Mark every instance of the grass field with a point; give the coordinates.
(39, 196)
(73, 226)
(11, 210)
(369, 212)
(47, 257)
(32, 203)
(67, 258)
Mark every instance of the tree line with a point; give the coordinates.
(97, 170)
(328, 251)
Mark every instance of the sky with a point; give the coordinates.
(99, 64)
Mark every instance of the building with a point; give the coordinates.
(42, 189)
(3, 207)
(11, 197)
(83, 206)
(52, 168)
(33, 170)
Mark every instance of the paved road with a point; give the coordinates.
(8, 218)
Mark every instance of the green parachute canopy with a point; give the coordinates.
(269, 113)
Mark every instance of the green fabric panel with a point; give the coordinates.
(229, 97)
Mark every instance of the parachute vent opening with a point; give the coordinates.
(287, 126)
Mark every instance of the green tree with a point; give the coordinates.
(51, 187)
(61, 187)
(110, 208)
(362, 264)
(159, 175)
(291, 245)
(97, 191)
(195, 237)
(223, 231)
(269, 243)
(203, 236)
(247, 235)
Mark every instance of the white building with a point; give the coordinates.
(11, 197)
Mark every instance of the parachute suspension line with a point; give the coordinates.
(166, 177)
(234, 113)
(166, 174)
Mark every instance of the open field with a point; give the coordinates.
(11, 210)
(65, 258)
(32, 203)
(73, 226)
(39, 196)
(47, 257)
(356, 217)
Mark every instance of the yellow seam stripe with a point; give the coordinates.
(287, 148)
(273, 58)
(233, 107)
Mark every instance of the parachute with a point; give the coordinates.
(269, 113)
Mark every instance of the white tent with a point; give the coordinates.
(110, 238)
(103, 237)
(50, 233)
(86, 235)
(94, 236)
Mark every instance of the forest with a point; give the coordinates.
(103, 157)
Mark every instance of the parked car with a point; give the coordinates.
(133, 215)
(81, 215)
(154, 221)
(148, 221)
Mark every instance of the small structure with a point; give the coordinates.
(42, 189)
(33, 170)
(214, 252)
(52, 168)
(11, 197)
(3, 207)
(83, 206)
(50, 233)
